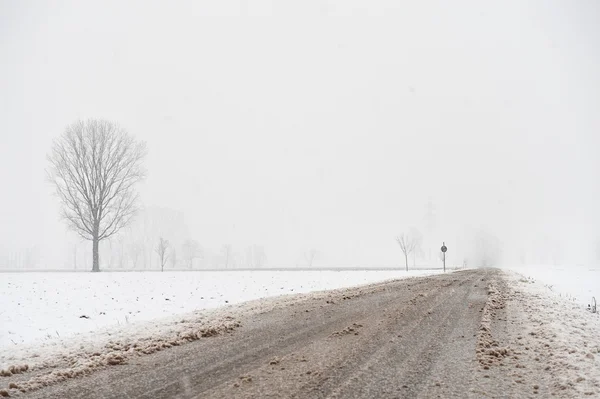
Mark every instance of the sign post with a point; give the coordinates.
(444, 249)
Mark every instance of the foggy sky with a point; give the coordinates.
(316, 124)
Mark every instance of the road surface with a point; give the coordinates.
(412, 338)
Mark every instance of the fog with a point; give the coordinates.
(326, 125)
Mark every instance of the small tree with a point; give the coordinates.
(417, 237)
(310, 256)
(407, 244)
(135, 249)
(256, 256)
(260, 257)
(173, 258)
(227, 252)
(94, 167)
(191, 251)
(162, 250)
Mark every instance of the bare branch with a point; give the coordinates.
(191, 251)
(162, 251)
(94, 167)
(408, 243)
(310, 256)
(227, 252)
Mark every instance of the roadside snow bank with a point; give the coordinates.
(84, 357)
(550, 336)
(489, 351)
(51, 307)
(48, 362)
(578, 283)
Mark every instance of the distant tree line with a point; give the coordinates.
(95, 166)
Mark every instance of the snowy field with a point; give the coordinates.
(578, 283)
(555, 328)
(144, 312)
(48, 308)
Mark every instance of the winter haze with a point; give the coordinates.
(326, 125)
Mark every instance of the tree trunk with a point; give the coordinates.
(406, 259)
(95, 255)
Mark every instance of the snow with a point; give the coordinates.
(129, 314)
(576, 282)
(39, 308)
(556, 329)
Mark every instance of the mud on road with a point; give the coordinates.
(437, 336)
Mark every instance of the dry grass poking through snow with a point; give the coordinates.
(548, 346)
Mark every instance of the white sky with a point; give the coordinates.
(325, 124)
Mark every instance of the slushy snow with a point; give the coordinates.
(49, 309)
(127, 314)
(553, 344)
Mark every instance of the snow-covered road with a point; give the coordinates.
(472, 334)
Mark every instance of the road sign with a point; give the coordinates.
(444, 249)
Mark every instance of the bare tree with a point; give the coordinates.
(407, 244)
(134, 250)
(191, 251)
(256, 256)
(227, 252)
(417, 237)
(94, 166)
(75, 256)
(162, 250)
(417, 254)
(487, 248)
(121, 252)
(173, 257)
(310, 256)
